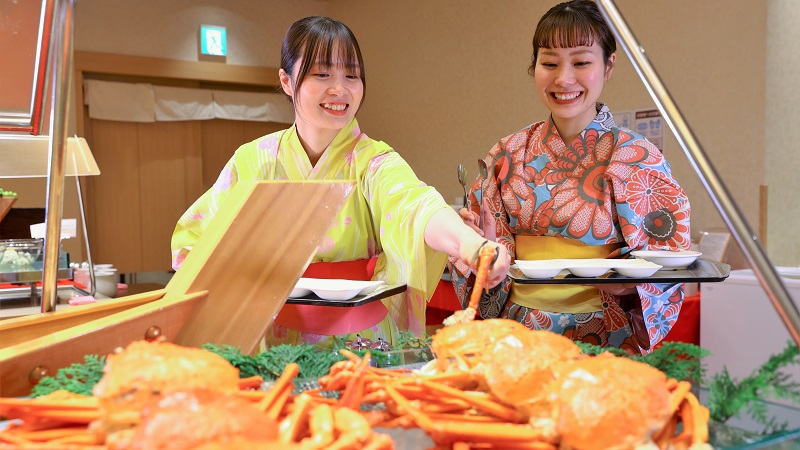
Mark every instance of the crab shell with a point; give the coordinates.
(472, 338)
(147, 370)
(518, 368)
(607, 402)
(185, 420)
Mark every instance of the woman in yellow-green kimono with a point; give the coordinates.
(393, 228)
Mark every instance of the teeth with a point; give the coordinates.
(571, 96)
(334, 107)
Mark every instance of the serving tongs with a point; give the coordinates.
(462, 179)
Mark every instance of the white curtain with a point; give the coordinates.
(149, 103)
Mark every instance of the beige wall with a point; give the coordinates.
(782, 158)
(447, 78)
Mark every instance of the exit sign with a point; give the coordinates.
(213, 41)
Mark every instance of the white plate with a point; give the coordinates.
(669, 259)
(299, 292)
(589, 267)
(586, 268)
(335, 289)
(639, 269)
(588, 271)
(540, 269)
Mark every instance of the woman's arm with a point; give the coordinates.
(446, 232)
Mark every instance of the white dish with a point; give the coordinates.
(590, 267)
(640, 269)
(588, 271)
(669, 259)
(334, 289)
(540, 269)
(586, 268)
(299, 292)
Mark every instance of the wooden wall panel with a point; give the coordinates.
(165, 149)
(151, 173)
(220, 139)
(113, 196)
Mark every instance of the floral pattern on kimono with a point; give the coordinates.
(610, 185)
(385, 216)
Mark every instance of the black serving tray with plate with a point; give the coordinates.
(700, 271)
(358, 300)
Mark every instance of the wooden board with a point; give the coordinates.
(5, 205)
(22, 329)
(228, 290)
(250, 257)
(98, 337)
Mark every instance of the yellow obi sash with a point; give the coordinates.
(561, 298)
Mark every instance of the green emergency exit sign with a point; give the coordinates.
(213, 41)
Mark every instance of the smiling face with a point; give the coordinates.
(322, 71)
(569, 81)
(328, 97)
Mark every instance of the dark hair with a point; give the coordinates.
(572, 24)
(314, 39)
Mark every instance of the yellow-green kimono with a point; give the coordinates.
(385, 216)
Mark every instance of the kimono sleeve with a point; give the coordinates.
(653, 213)
(401, 205)
(194, 221)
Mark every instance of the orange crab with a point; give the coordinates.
(187, 419)
(534, 389)
(145, 371)
(606, 402)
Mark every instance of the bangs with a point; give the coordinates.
(337, 52)
(566, 32)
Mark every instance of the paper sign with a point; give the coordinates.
(647, 122)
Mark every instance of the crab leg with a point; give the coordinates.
(486, 254)
(253, 382)
(695, 422)
(466, 431)
(283, 383)
(289, 427)
(354, 392)
(480, 401)
(320, 425)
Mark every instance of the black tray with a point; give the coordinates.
(701, 271)
(358, 300)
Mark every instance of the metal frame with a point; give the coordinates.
(32, 121)
(59, 69)
(748, 241)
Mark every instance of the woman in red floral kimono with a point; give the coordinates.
(578, 186)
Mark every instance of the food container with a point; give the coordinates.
(20, 255)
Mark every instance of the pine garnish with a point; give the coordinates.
(79, 378)
(270, 364)
(679, 360)
(728, 397)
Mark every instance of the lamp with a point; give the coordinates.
(27, 157)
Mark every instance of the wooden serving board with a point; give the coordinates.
(5, 206)
(228, 290)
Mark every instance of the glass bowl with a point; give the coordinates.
(19, 255)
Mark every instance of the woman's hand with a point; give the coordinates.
(486, 227)
(499, 270)
(501, 264)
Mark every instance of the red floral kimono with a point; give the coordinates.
(609, 187)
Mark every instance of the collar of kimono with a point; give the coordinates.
(600, 121)
(344, 142)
